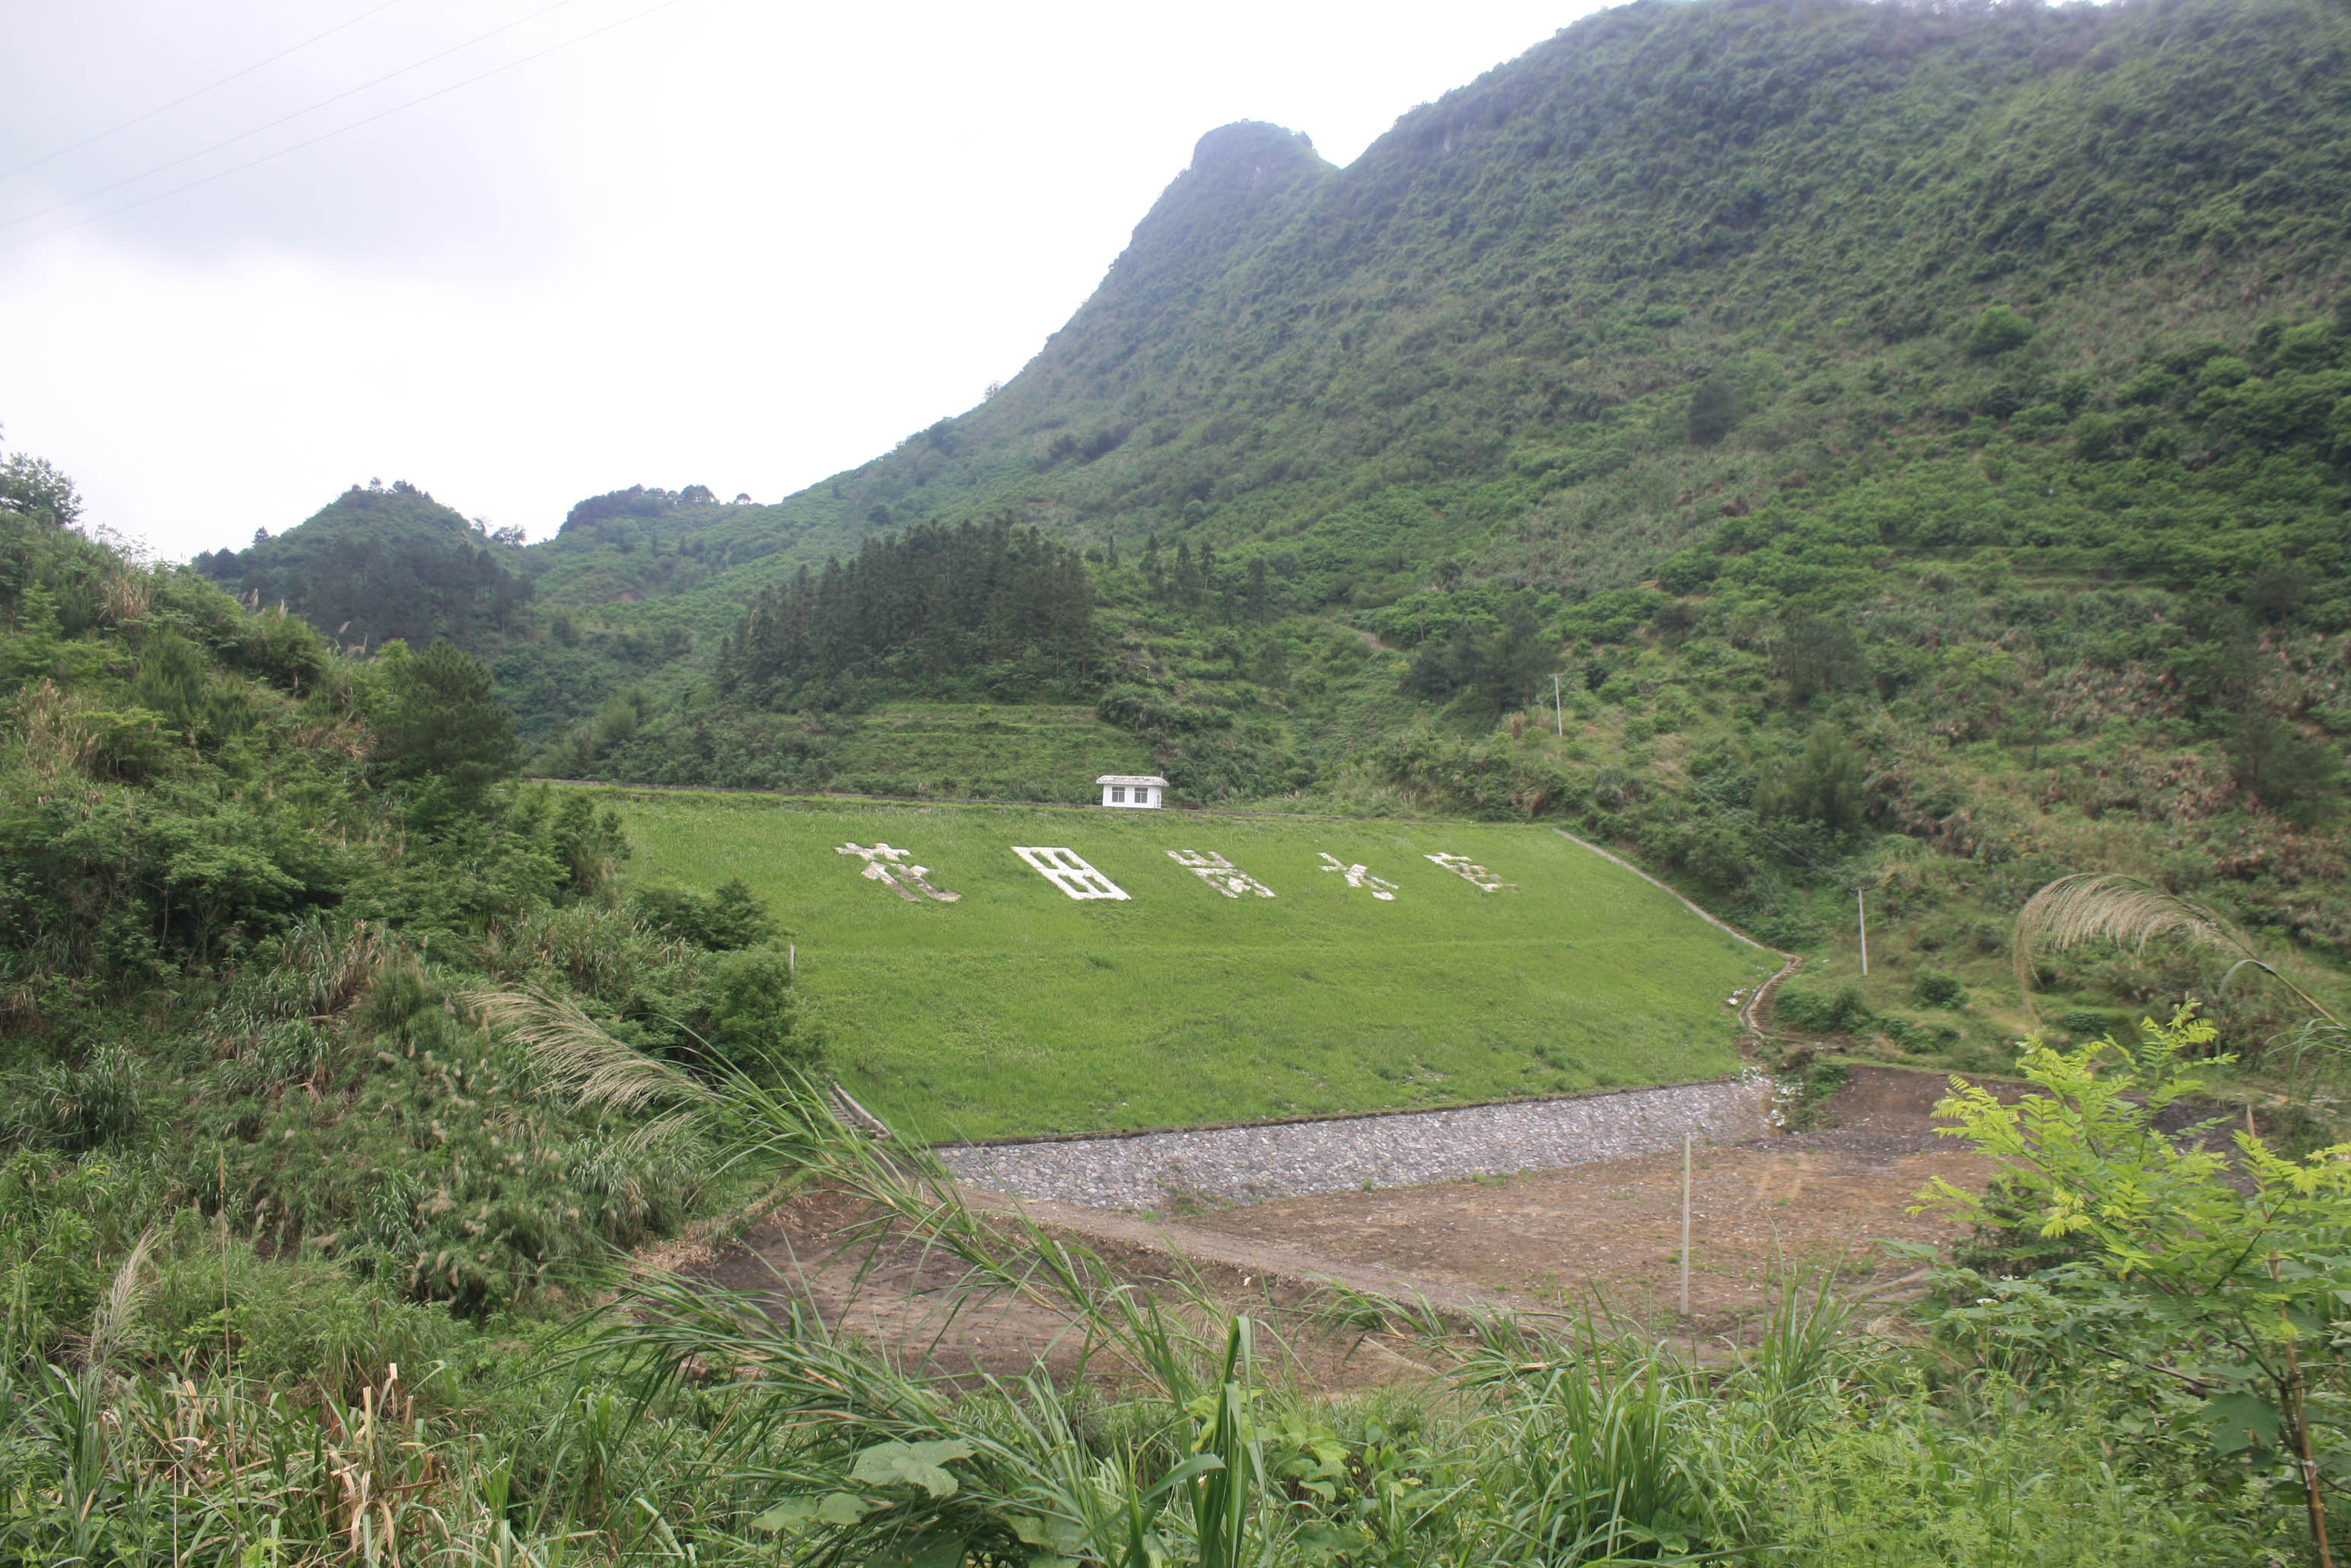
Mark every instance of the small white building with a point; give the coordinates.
(1132, 791)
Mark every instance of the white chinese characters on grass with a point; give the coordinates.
(881, 865)
(1357, 876)
(1219, 872)
(1470, 872)
(1069, 872)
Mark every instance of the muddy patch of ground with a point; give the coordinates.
(1545, 1241)
(920, 1304)
(1611, 1230)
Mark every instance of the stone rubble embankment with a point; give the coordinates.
(1213, 1165)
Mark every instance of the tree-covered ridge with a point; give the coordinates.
(637, 501)
(1478, 344)
(379, 563)
(1659, 193)
(247, 884)
(929, 610)
(1864, 413)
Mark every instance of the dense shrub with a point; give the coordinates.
(1934, 988)
(1810, 1013)
(728, 918)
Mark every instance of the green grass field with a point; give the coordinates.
(1016, 1008)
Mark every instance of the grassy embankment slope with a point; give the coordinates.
(2020, 470)
(2022, 476)
(1017, 1009)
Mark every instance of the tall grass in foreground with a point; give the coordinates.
(685, 1424)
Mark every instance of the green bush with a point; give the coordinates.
(443, 725)
(1713, 410)
(1996, 1476)
(290, 1321)
(1996, 332)
(1809, 1012)
(2088, 1023)
(725, 921)
(1933, 988)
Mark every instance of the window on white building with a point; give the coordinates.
(1118, 794)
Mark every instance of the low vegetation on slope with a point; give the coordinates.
(1915, 442)
(245, 885)
(1389, 981)
(2132, 1406)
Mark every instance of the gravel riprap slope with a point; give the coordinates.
(1244, 1165)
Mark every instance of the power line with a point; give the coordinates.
(355, 125)
(281, 119)
(190, 98)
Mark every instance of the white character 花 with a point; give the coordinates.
(881, 865)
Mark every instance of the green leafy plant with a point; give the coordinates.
(1934, 988)
(2232, 1274)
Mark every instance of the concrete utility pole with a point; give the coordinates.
(1558, 710)
(1686, 1194)
(1861, 909)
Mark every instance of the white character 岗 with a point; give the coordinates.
(1219, 872)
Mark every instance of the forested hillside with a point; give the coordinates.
(921, 614)
(1917, 440)
(1849, 458)
(249, 885)
(380, 563)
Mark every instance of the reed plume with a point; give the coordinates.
(579, 1057)
(2091, 907)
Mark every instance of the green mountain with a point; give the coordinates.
(249, 887)
(1485, 333)
(378, 563)
(1897, 430)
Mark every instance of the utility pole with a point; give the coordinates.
(1558, 710)
(1861, 909)
(1686, 1196)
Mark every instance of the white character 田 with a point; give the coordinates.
(1357, 876)
(1470, 872)
(1068, 871)
(1219, 872)
(905, 881)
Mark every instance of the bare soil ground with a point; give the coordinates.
(1546, 1241)
(1611, 1231)
(918, 1305)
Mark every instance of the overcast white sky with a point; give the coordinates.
(709, 242)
